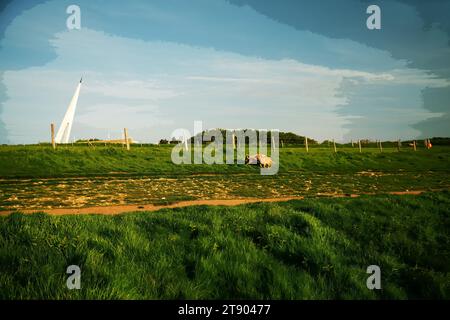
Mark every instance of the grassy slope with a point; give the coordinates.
(116, 175)
(42, 161)
(299, 249)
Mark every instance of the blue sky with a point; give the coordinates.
(154, 66)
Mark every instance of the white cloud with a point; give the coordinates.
(131, 89)
(155, 87)
(116, 116)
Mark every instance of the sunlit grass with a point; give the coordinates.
(307, 249)
(43, 161)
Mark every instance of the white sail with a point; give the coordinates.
(63, 134)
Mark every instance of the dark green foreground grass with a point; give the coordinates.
(318, 248)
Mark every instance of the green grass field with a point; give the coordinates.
(37, 177)
(44, 162)
(307, 249)
(317, 248)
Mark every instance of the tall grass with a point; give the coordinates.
(310, 249)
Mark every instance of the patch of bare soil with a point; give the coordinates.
(111, 210)
(118, 209)
(406, 192)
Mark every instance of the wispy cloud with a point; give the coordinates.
(131, 89)
(155, 87)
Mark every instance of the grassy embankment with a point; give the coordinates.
(75, 176)
(42, 161)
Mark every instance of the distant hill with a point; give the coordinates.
(285, 137)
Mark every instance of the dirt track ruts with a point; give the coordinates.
(112, 210)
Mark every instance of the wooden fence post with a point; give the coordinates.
(306, 144)
(334, 146)
(399, 144)
(127, 142)
(381, 147)
(414, 145)
(359, 145)
(52, 127)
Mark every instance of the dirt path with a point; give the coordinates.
(112, 210)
